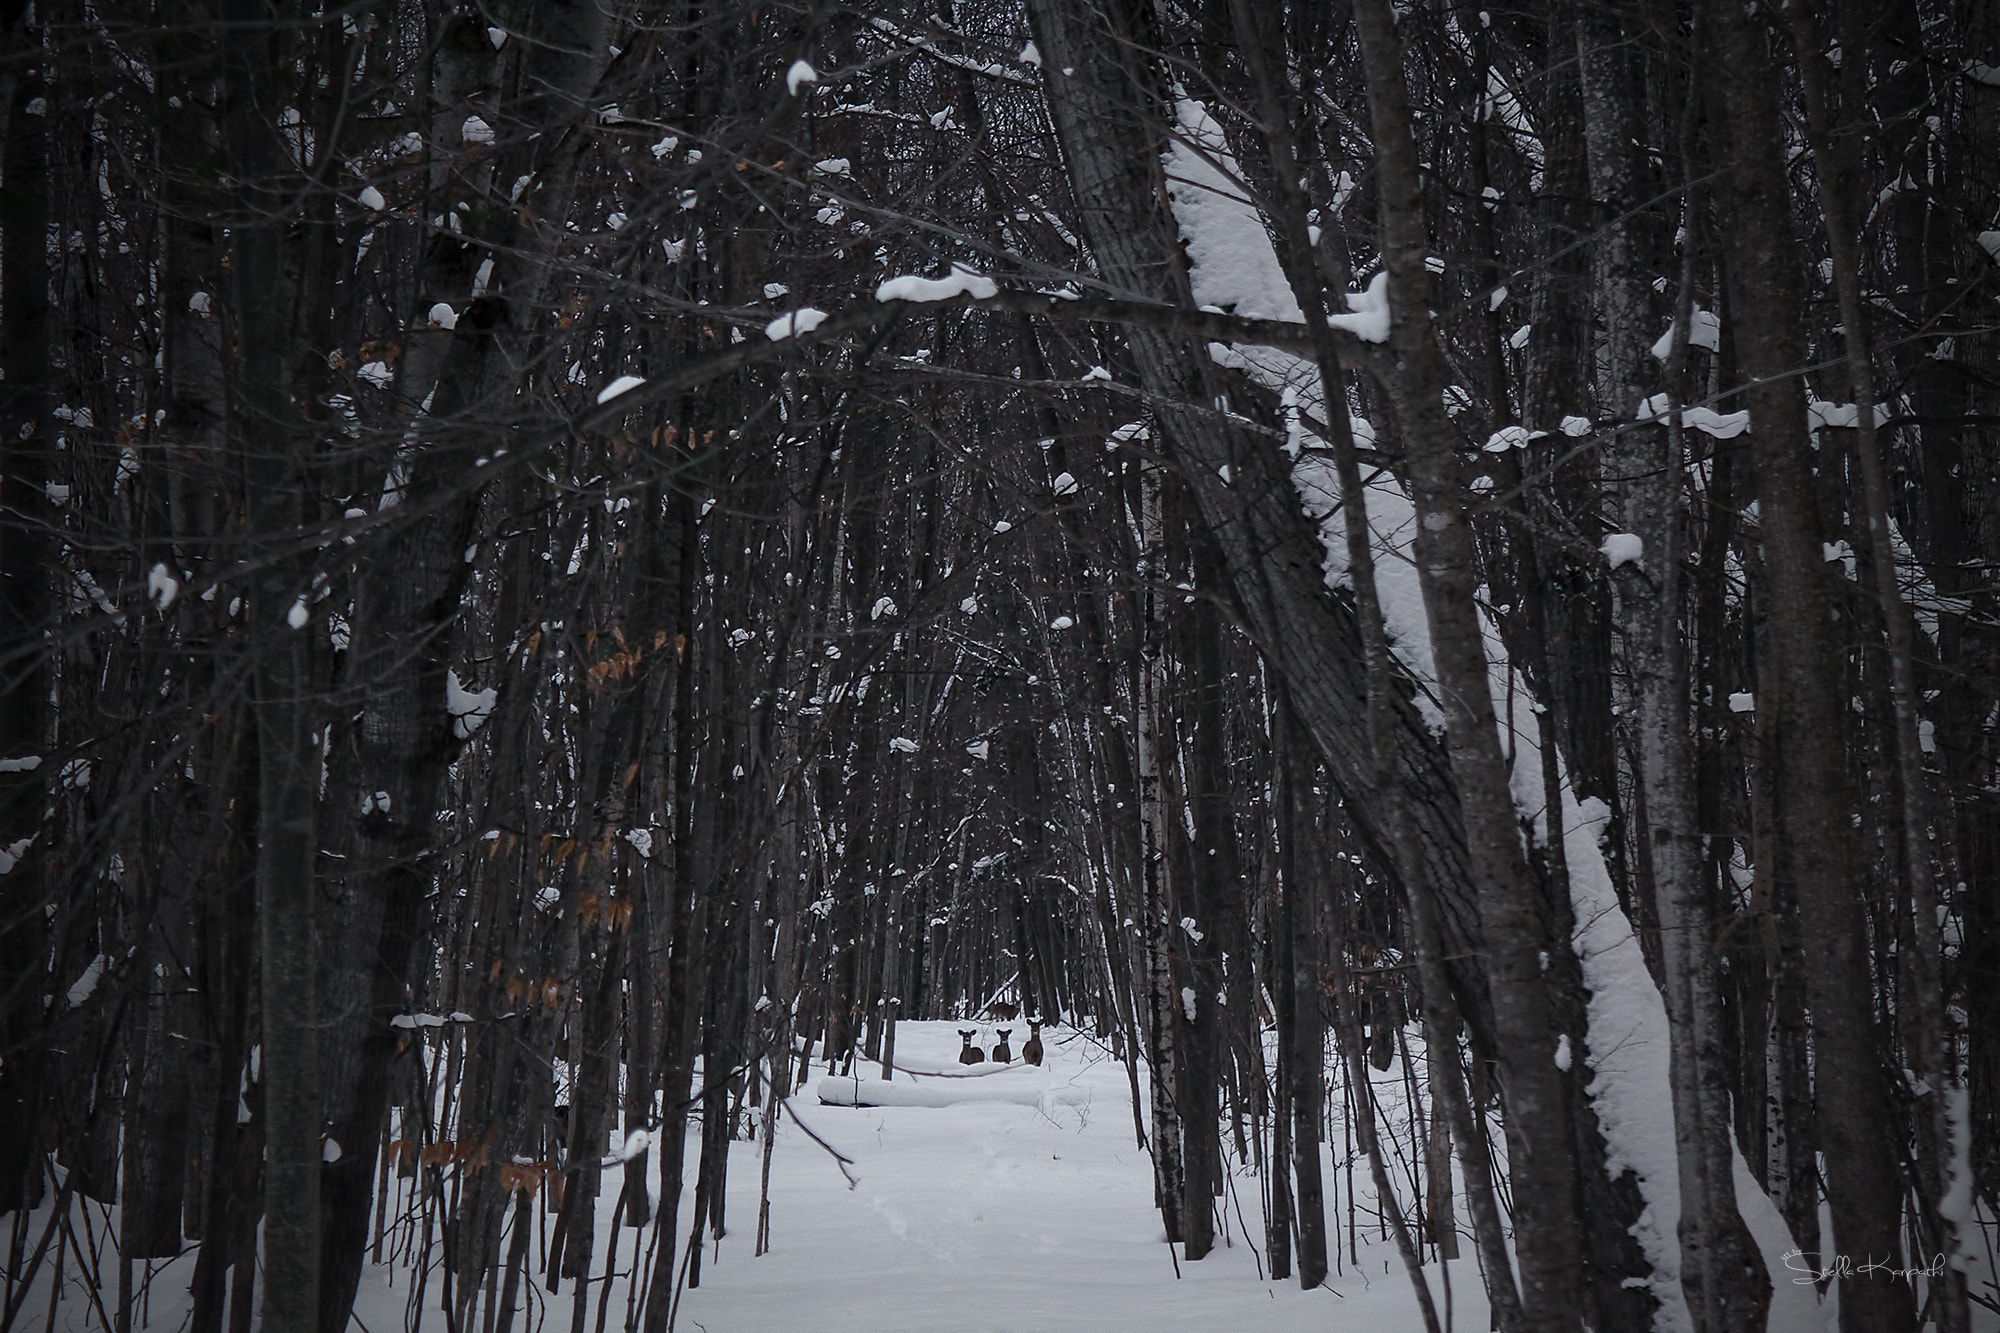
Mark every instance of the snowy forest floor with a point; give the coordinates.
(1031, 1211)
(1001, 1216)
(1017, 1200)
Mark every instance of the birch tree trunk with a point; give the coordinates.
(1154, 891)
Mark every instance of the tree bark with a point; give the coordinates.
(1815, 796)
(1304, 1030)
(1542, 1157)
(1930, 1057)
(1155, 891)
(1721, 1269)
(27, 569)
(277, 480)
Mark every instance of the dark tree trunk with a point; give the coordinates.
(267, 434)
(27, 571)
(1512, 929)
(1814, 794)
(1302, 1034)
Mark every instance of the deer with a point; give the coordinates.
(1031, 1049)
(1006, 1013)
(1001, 1055)
(971, 1055)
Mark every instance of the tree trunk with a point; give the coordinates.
(1815, 797)
(1303, 1033)
(1163, 1023)
(1930, 1058)
(277, 482)
(27, 569)
(1544, 1168)
(1721, 1269)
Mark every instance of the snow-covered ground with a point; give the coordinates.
(1016, 1201)
(995, 1215)
(990, 1199)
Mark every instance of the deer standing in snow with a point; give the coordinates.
(1031, 1049)
(971, 1055)
(1002, 1055)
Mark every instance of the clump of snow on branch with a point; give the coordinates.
(1370, 318)
(1704, 331)
(623, 384)
(1623, 548)
(635, 1143)
(799, 321)
(1720, 425)
(469, 709)
(162, 586)
(1834, 416)
(799, 75)
(961, 281)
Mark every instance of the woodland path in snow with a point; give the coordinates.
(1023, 1212)
(1001, 1216)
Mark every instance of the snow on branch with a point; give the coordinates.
(961, 281)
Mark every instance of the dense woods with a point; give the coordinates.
(565, 566)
